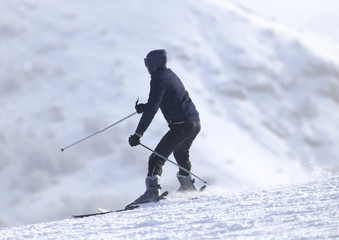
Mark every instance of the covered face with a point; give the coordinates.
(155, 60)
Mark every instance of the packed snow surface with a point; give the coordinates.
(306, 211)
(268, 97)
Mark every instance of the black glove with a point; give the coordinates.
(139, 107)
(134, 140)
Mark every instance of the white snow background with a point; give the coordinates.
(268, 95)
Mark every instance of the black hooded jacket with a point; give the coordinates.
(167, 93)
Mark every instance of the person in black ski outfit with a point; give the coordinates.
(168, 93)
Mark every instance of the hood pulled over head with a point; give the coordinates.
(155, 60)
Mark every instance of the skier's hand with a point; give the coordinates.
(134, 140)
(139, 107)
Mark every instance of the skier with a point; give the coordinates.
(168, 93)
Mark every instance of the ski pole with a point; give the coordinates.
(100, 131)
(166, 159)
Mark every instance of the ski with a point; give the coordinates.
(105, 212)
(130, 206)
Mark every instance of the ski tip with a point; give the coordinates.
(102, 210)
(162, 196)
(164, 193)
(202, 188)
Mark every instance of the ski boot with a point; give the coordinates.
(152, 192)
(186, 183)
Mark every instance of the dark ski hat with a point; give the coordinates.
(156, 59)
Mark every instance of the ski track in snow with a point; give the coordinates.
(308, 211)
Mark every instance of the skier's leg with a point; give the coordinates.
(165, 147)
(181, 152)
(152, 190)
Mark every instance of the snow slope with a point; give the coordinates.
(306, 211)
(316, 17)
(268, 98)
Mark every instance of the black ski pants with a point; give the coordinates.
(178, 141)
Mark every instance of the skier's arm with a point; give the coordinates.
(156, 94)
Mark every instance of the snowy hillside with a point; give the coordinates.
(267, 95)
(312, 17)
(308, 211)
